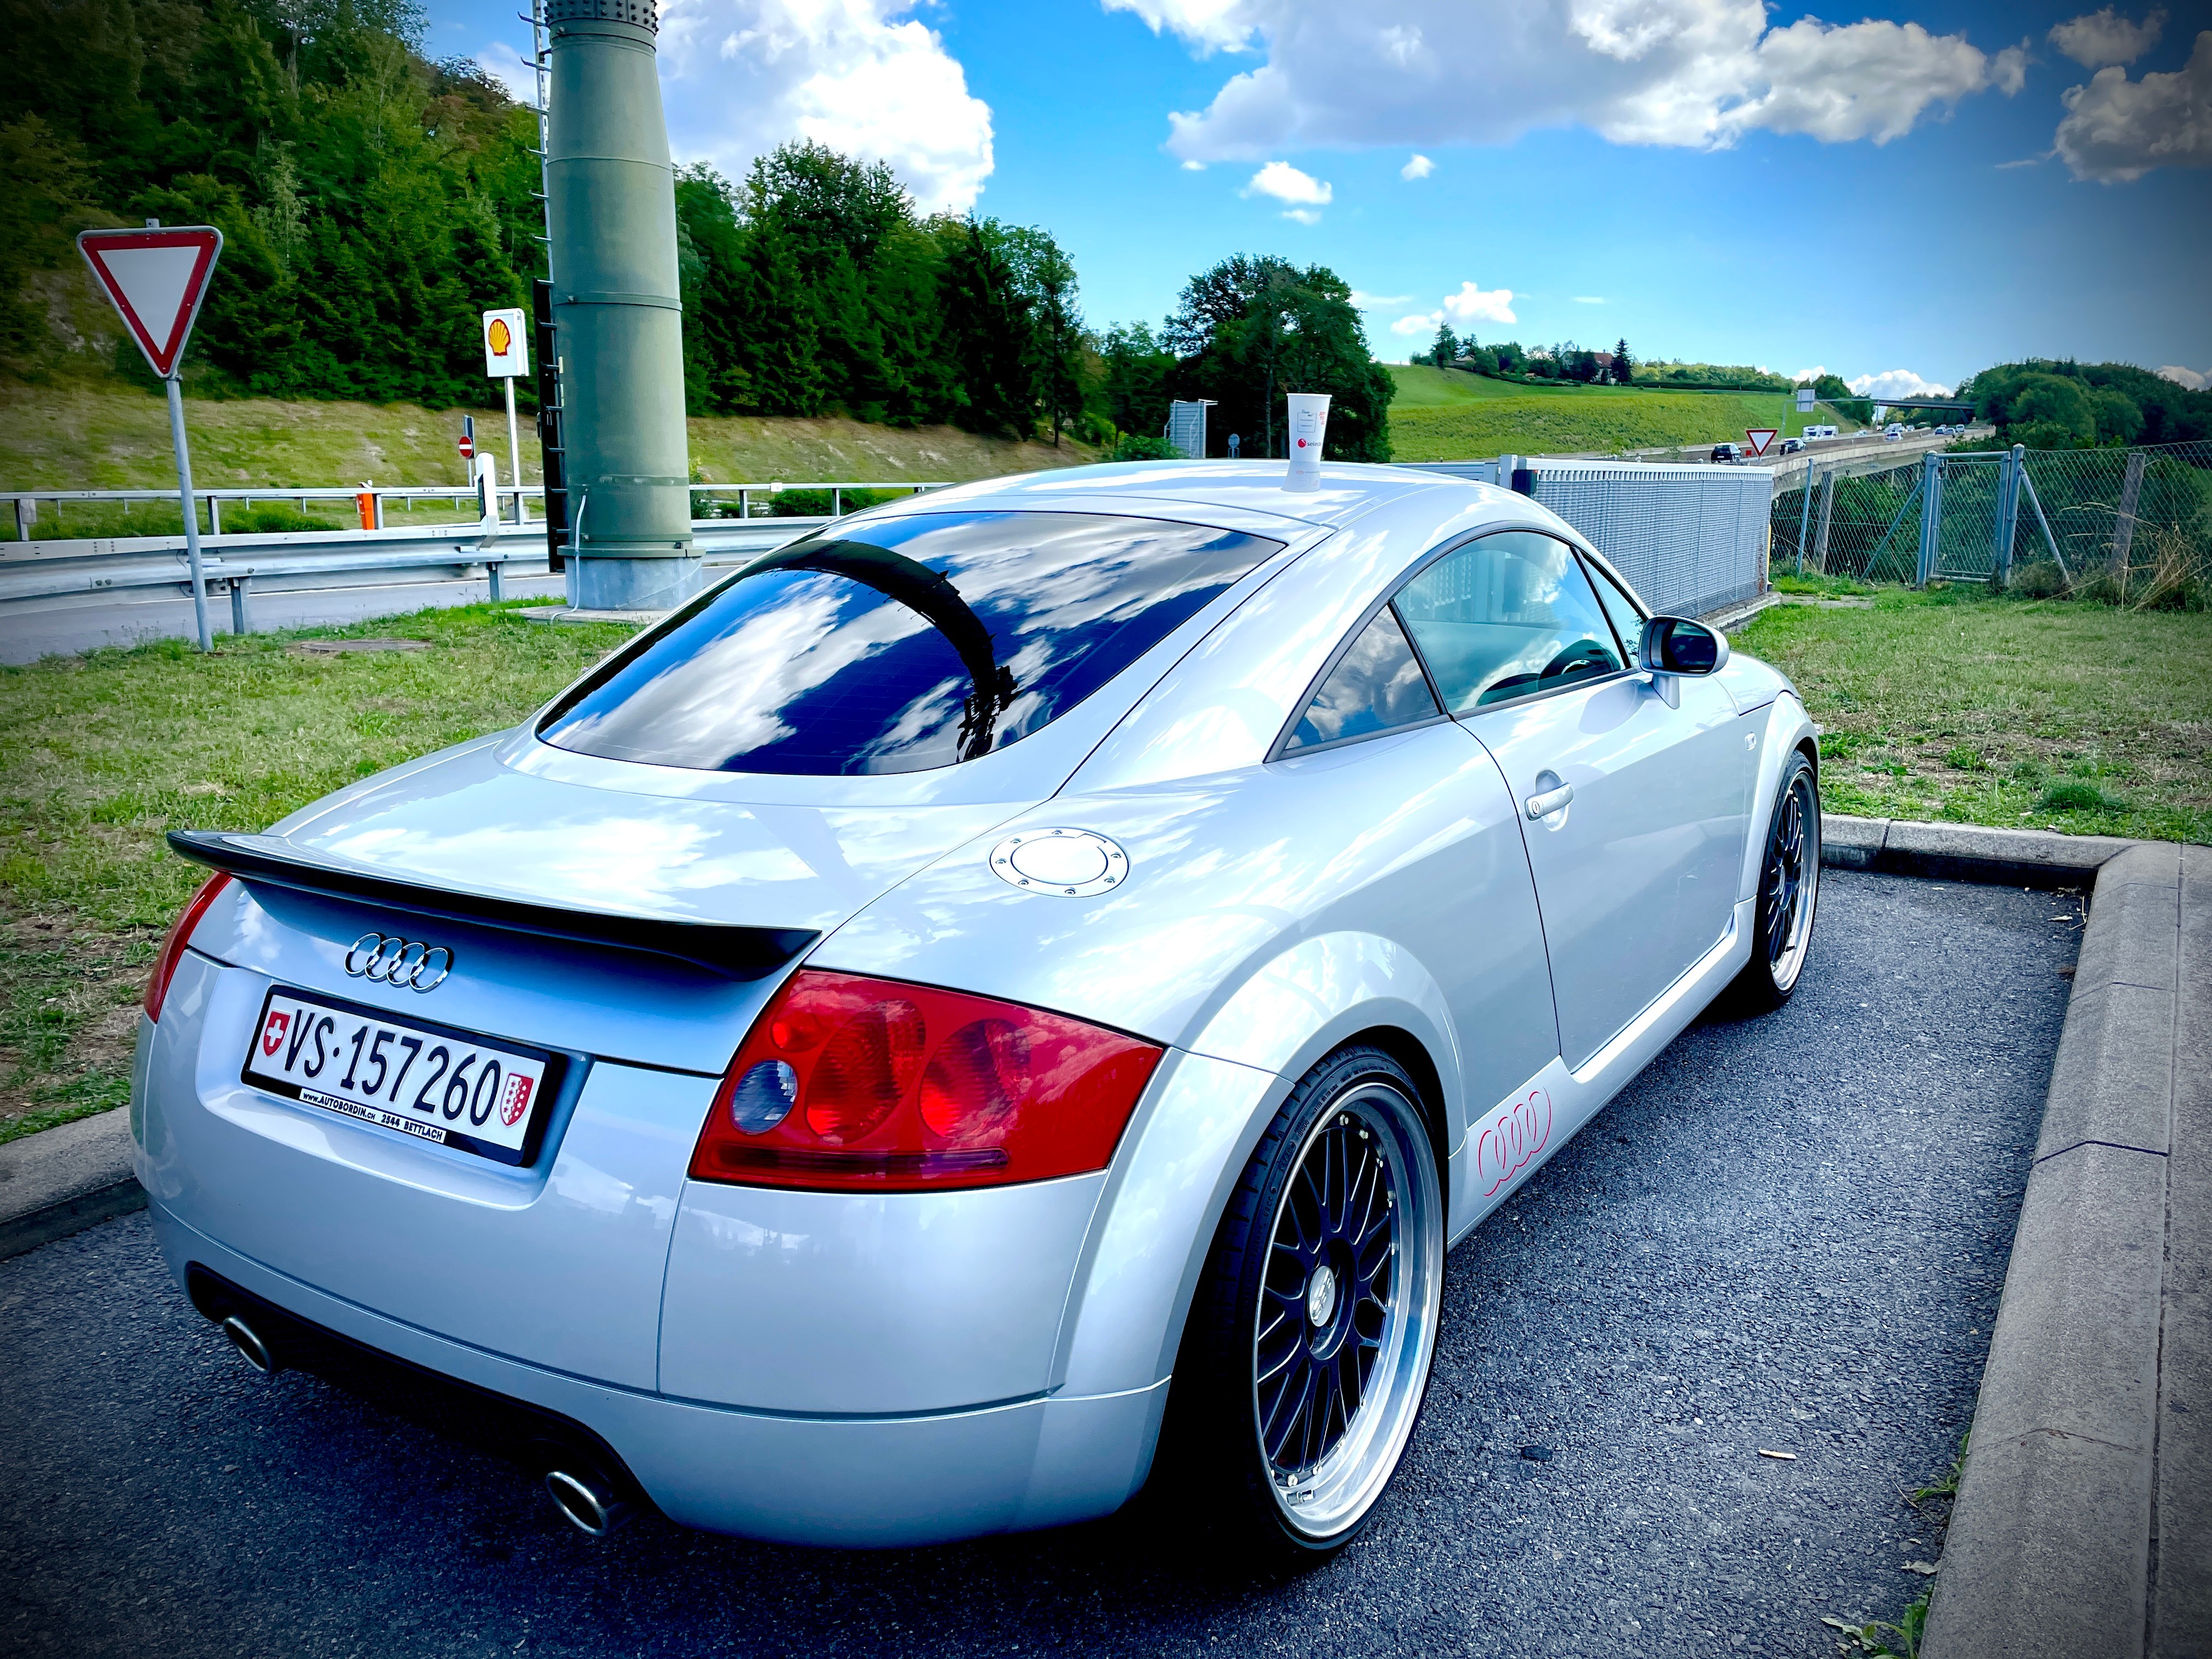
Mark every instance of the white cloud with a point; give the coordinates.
(1896, 383)
(1696, 72)
(1472, 305)
(2097, 37)
(1421, 322)
(1419, 167)
(1303, 215)
(2117, 130)
(1812, 374)
(1376, 301)
(2193, 379)
(1589, 299)
(506, 65)
(863, 76)
(1286, 184)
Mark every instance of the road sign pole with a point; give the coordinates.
(515, 453)
(191, 513)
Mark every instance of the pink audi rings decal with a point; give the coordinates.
(1511, 1138)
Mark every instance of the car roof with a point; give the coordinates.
(1347, 489)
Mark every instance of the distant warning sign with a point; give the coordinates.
(157, 278)
(506, 353)
(1759, 436)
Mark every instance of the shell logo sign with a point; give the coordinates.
(506, 353)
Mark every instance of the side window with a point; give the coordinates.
(1627, 620)
(1506, 616)
(1375, 686)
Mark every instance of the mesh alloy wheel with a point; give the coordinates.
(1790, 883)
(1307, 1357)
(1344, 1327)
(1789, 893)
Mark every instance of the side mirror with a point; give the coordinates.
(1675, 645)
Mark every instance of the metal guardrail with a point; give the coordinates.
(308, 560)
(518, 495)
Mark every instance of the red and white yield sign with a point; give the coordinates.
(157, 278)
(1760, 436)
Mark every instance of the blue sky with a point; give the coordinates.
(1703, 177)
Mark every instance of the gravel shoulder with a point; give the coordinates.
(1790, 1234)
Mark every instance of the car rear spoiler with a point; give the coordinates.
(730, 951)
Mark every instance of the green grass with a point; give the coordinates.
(108, 751)
(2024, 714)
(1441, 414)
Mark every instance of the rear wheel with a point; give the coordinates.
(1788, 889)
(1307, 1359)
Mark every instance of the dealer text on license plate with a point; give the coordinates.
(457, 1090)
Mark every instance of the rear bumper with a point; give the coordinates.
(878, 1481)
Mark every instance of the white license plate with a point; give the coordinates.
(438, 1084)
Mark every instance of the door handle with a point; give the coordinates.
(1550, 801)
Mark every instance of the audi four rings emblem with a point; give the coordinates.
(405, 963)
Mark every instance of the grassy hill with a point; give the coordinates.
(1443, 415)
(87, 436)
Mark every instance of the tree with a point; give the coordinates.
(1624, 366)
(989, 320)
(1445, 352)
(1047, 277)
(1137, 369)
(1251, 328)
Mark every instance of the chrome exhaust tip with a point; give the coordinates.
(251, 1348)
(587, 1502)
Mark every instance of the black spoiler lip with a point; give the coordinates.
(730, 950)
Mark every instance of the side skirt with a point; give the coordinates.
(1513, 1139)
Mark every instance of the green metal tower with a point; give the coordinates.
(618, 310)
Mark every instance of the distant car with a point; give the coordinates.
(1893, 431)
(1792, 445)
(1727, 454)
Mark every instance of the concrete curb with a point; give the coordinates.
(61, 1181)
(1967, 852)
(2084, 1520)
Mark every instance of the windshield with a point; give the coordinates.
(899, 645)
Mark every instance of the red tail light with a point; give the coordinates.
(181, 935)
(852, 1084)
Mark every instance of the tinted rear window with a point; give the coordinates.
(904, 644)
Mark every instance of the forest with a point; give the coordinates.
(373, 202)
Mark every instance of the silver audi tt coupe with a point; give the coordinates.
(1008, 997)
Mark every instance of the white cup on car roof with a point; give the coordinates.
(1308, 428)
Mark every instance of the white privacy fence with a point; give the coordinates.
(1690, 539)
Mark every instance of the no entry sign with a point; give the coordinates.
(157, 278)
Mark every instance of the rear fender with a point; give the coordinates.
(1208, 1111)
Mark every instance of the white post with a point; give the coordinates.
(487, 470)
(191, 513)
(514, 455)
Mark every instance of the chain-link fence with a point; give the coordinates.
(2130, 524)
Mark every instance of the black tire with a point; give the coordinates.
(1343, 1188)
(1789, 894)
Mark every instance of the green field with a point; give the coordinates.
(1445, 414)
(2042, 714)
(96, 435)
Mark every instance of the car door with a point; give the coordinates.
(1427, 819)
(1632, 802)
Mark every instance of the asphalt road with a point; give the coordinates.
(33, 629)
(1789, 1234)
